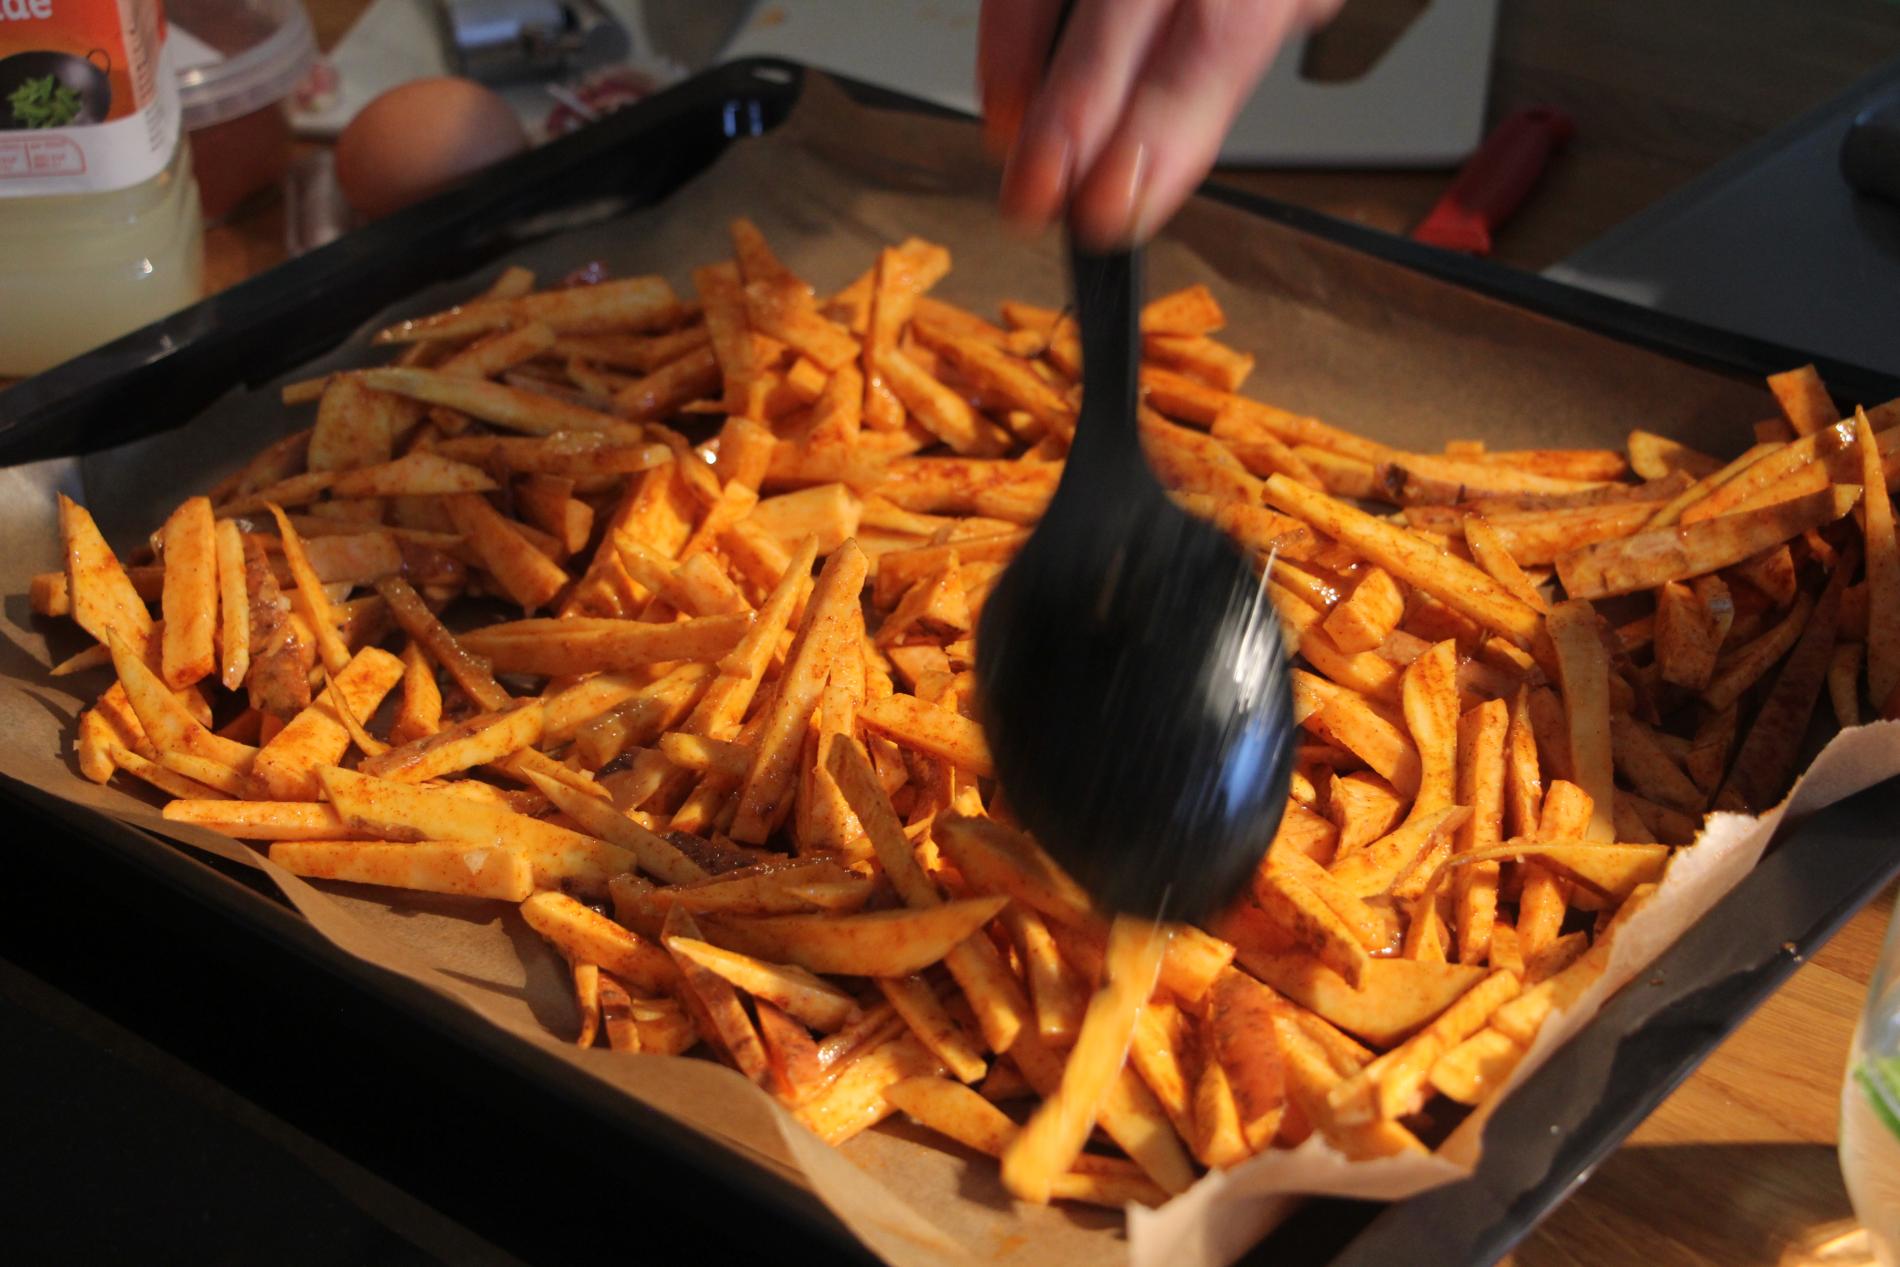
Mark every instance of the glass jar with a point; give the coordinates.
(80, 269)
(1870, 1108)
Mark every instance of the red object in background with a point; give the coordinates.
(1494, 181)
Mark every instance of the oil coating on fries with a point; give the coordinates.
(654, 621)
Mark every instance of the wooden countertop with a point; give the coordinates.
(1738, 1166)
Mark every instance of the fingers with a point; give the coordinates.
(1130, 114)
(1012, 45)
(1199, 71)
(1074, 110)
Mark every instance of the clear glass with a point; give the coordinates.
(1870, 1108)
(79, 269)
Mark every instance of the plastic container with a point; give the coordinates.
(1870, 1108)
(238, 62)
(100, 230)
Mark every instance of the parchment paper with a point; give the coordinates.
(1339, 335)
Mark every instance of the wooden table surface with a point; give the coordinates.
(1738, 1166)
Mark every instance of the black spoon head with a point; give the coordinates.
(1135, 694)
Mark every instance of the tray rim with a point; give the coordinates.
(29, 414)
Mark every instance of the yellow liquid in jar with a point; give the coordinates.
(78, 270)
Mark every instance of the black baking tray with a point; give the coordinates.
(1539, 1145)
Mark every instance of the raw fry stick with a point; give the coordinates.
(234, 605)
(330, 645)
(1648, 559)
(1240, 1027)
(1351, 721)
(1567, 813)
(1483, 734)
(714, 1005)
(786, 313)
(1012, 382)
(516, 408)
(569, 453)
(1001, 1011)
(1374, 870)
(468, 671)
(420, 711)
(1490, 551)
(1054, 992)
(585, 936)
(428, 866)
(1371, 612)
(1299, 909)
(104, 603)
(1054, 1136)
(287, 766)
(763, 799)
(191, 594)
(1474, 1068)
(394, 811)
(631, 303)
(1584, 673)
(264, 820)
(167, 724)
(854, 1101)
(654, 854)
(1772, 744)
(1399, 1077)
(471, 742)
(551, 647)
(1363, 807)
(940, 410)
(1672, 510)
(893, 296)
(1804, 399)
(913, 999)
(1453, 582)
(1523, 773)
(586, 978)
(1650, 770)
(1653, 457)
(1735, 673)
(528, 576)
(165, 780)
(937, 731)
(420, 473)
(1783, 469)
(811, 1000)
(878, 943)
(1843, 683)
(1192, 310)
(1430, 700)
(618, 1017)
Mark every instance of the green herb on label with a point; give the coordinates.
(44, 103)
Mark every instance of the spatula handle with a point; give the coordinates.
(1107, 289)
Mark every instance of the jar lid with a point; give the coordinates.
(237, 56)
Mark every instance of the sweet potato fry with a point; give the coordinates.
(191, 594)
(1747, 664)
(286, 767)
(1772, 744)
(552, 647)
(937, 731)
(1397, 997)
(1460, 586)
(880, 943)
(764, 799)
(1653, 457)
(104, 603)
(1583, 673)
(399, 811)
(582, 935)
(1055, 1134)
(430, 867)
(1648, 559)
(1372, 611)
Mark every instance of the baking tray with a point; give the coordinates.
(1539, 1145)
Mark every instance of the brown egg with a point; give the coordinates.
(419, 138)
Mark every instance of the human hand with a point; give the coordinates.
(1129, 115)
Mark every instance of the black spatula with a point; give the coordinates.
(1131, 675)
